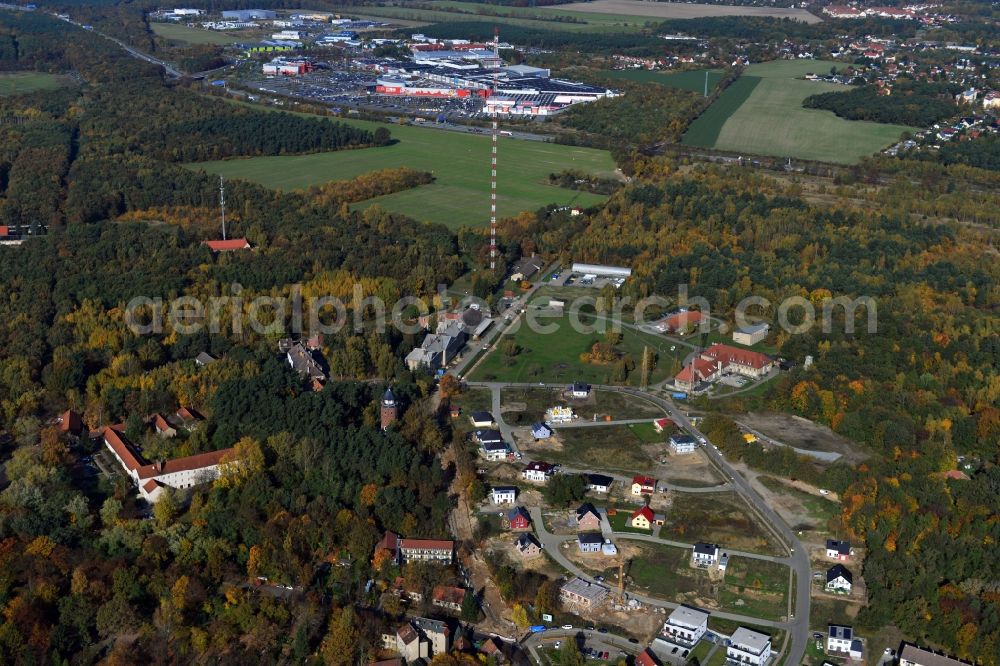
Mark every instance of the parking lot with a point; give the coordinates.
(346, 88)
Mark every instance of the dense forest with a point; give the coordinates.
(910, 103)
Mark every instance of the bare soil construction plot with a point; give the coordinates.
(803, 434)
(681, 10)
(720, 518)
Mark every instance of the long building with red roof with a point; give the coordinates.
(151, 478)
(720, 358)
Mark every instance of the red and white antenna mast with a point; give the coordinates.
(493, 154)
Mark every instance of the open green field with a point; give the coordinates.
(543, 18)
(690, 80)
(555, 356)
(745, 119)
(704, 131)
(19, 83)
(720, 518)
(755, 587)
(460, 163)
(610, 449)
(177, 32)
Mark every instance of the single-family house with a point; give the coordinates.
(839, 579)
(704, 554)
(406, 591)
(587, 518)
(185, 418)
(70, 422)
(681, 322)
(589, 542)
(643, 485)
(481, 419)
(503, 495)
(641, 518)
(599, 483)
(493, 648)
(303, 361)
(659, 425)
(518, 519)
(749, 647)
(204, 358)
(841, 640)
(528, 546)
(582, 594)
(526, 268)
(684, 627)
(579, 389)
(538, 471)
(540, 431)
(162, 428)
(448, 597)
(495, 451)
(681, 444)
(838, 550)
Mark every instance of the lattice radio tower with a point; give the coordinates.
(494, 136)
(222, 205)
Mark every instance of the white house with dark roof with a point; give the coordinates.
(503, 495)
(704, 554)
(599, 483)
(841, 640)
(838, 550)
(684, 627)
(748, 648)
(839, 579)
(913, 655)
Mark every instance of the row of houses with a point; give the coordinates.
(686, 626)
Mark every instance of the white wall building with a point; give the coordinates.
(685, 626)
(151, 478)
(503, 495)
(749, 647)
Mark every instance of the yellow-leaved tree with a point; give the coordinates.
(242, 462)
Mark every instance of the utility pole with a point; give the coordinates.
(706, 83)
(645, 367)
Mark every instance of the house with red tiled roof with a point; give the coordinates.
(642, 518)
(70, 422)
(449, 598)
(643, 485)
(162, 428)
(659, 425)
(227, 245)
(183, 472)
(646, 658)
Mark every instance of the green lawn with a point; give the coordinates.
(609, 449)
(647, 433)
(755, 587)
(460, 163)
(619, 522)
(744, 117)
(701, 651)
(689, 80)
(821, 509)
(555, 356)
(542, 18)
(181, 33)
(19, 83)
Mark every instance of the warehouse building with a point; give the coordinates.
(248, 14)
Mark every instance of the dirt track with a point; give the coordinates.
(681, 10)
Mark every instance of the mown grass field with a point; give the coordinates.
(555, 356)
(19, 83)
(181, 33)
(761, 113)
(689, 80)
(460, 163)
(704, 131)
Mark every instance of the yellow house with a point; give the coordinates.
(642, 518)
